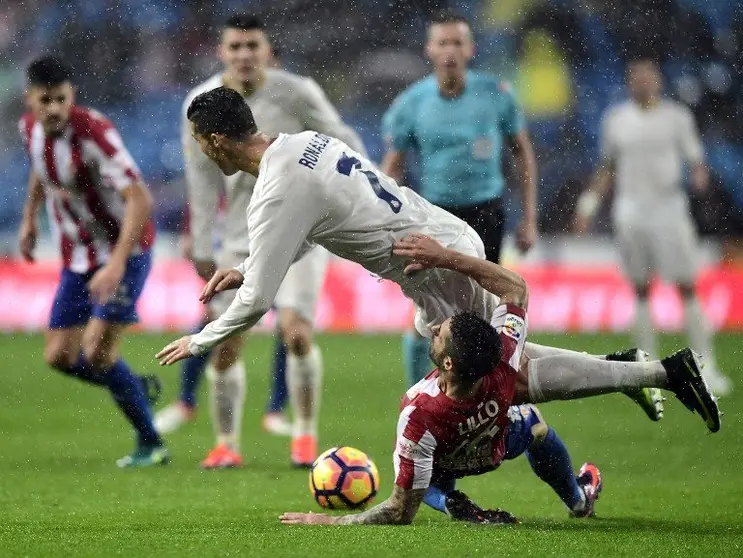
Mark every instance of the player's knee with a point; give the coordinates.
(297, 336)
(539, 429)
(226, 354)
(59, 358)
(98, 354)
(298, 341)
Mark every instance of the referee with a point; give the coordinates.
(459, 122)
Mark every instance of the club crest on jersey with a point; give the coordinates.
(513, 327)
(313, 150)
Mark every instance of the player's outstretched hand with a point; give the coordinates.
(424, 252)
(292, 518)
(222, 280)
(175, 351)
(105, 282)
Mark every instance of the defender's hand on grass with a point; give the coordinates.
(424, 252)
(222, 280)
(175, 351)
(293, 518)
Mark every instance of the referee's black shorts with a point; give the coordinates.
(488, 220)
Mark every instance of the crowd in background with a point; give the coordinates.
(135, 60)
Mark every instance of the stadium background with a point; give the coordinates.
(670, 489)
(135, 60)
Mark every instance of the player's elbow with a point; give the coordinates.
(139, 195)
(518, 294)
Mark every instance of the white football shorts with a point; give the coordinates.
(662, 240)
(299, 290)
(438, 294)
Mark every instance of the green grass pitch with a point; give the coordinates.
(670, 488)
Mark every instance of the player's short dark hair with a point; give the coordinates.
(222, 111)
(47, 71)
(244, 22)
(447, 16)
(475, 346)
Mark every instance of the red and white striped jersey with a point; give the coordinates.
(439, 438)
(82, 170)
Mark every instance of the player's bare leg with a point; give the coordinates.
(304, 380)
(415, 349)
(226, 375)
(62, 347)
(701, 339)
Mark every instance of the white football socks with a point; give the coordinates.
(227, 398)
(645, 337)
(304, 382)
(698, 330)
(572, 376)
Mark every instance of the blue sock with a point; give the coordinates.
(415, 355)
(192, 370)
(551, 463)
(83, 371)
(278, 395)
(129, 395)
(435, 497)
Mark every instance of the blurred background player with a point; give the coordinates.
(645, 142)
(184, 409)
(101, 209)
(461, 122)
(282, 103)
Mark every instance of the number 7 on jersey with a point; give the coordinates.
(346, 164)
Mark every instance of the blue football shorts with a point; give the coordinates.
(73, 307)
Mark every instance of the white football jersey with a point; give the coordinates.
(649, 147)
(314, 189)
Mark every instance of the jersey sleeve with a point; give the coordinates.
(691, 144)
(204, 182)
(607, 141)
(414, 451)
(107, 149)
(279, 221)
(24, 130)
(318, 113)
(513, 121)
(397, 125)
(510, 321)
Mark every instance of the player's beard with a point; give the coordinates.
(436, 359)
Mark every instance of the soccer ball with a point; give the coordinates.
(344, 478)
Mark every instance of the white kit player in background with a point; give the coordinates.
(314, 189)
(645, 142)
(282, 102)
